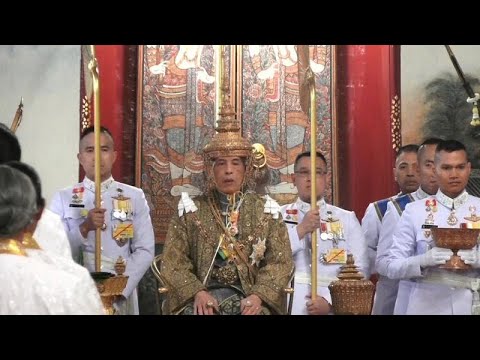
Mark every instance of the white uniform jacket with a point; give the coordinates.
(350, 238)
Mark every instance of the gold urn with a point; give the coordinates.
(111, 286)
(352, 294)
(455, 239)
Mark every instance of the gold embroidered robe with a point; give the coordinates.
(190, 249)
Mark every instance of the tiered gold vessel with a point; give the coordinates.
(110, 286)
(352, 294)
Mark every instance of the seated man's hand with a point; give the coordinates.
(251, 305)
(204, 303)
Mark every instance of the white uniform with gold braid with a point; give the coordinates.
(387, 289)
(435, 291)
(339, 235)
(371, 225)
(128, 231)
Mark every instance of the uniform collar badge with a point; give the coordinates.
(90, 185)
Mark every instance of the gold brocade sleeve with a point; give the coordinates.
(191, 246)
(177, 267)
(276, 269)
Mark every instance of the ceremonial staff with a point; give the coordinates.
(306, 81)
(93, 67)
(218, 81)
(109, 285)
(472, 97)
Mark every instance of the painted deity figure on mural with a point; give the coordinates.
(178, 119)
(276, 71)
(183, 83)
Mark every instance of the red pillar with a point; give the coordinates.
(111, 66)
(368, 79)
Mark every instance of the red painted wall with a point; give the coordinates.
(111, 66)
(367, 79)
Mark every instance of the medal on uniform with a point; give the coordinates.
(326, 233)
(431, 205)
(122, 232)
(225, 250)
(122, 215)
(258, 252)
(337, 229)
(473, 218)
(335, 256)
(323, 231)
(77, 197)
(452, 218)
(291, 215)
(332, 229)
(122, 207)
(429, 223)
(330, 217)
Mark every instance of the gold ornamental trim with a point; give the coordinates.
(395, 123)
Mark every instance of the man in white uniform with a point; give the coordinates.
(124, 218)
(413, 254)
(386, 290)
(338, 232)
(406, 175)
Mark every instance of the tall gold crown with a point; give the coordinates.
(227, 141)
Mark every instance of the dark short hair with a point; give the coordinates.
(308, 154)
(425, 143)
(410, 148)
(450, 146)
(33, 175)
(9, 146)
(431, 141)
(91, 129)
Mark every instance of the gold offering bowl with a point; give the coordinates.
(455, 239)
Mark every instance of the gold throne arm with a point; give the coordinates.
(155, 266)
(289, 291)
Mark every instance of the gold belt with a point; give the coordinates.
(225, 275)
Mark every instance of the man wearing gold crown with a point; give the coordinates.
(227, 251)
